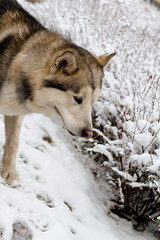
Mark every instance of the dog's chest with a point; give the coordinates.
(8, 101)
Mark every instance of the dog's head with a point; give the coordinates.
(68, 85)
(75, 82)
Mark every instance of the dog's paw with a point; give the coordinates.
(9, 174)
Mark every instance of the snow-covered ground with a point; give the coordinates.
(56, 196)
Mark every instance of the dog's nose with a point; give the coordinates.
(87, 133)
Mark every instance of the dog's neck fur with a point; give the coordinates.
(9, 103)
(13, 64)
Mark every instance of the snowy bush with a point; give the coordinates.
(127, 135)
(126, 144)
(127, 140)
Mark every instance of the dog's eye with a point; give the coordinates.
(77, 99)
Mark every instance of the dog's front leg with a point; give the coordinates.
(12, 131)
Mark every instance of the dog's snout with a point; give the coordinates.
(87, 133)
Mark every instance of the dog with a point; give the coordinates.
(42, 72)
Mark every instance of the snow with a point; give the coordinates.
(55, 196)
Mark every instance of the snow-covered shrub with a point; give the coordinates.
(126, 144)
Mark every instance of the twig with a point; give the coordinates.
(152, 140)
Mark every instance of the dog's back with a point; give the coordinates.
(15, 21)
(16, 25)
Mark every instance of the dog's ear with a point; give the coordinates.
(66, 63)
(104, 59)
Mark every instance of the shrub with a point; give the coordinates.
(126, 143)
